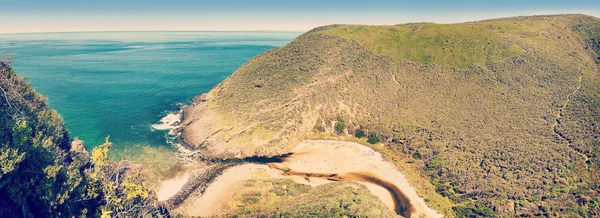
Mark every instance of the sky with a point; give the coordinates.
(19, 16)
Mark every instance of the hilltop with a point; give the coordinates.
(492, 116)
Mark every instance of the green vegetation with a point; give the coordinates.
(359, 133)
(461, 44)
(450, 44)
(373, 139)
(43, 175)
(470, 107)
(590, 32)
(34, 180)
(120, 186)
(478, 211)
(340, 127)
(319, 126)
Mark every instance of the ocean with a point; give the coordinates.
(119, 84)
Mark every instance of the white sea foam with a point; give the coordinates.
(169, 122)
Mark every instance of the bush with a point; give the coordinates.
(319, 128)
(433, 164)
(359, 133)
(373, 139)
(121, 186)
(482, 210)
(340, 127)
(462, 211)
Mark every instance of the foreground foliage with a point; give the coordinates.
(42, 175)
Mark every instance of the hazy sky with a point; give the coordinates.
(298, 15)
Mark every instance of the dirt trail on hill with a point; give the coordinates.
(559, 115)
(316, 162)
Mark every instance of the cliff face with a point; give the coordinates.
(503, 112)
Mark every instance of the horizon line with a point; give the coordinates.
(307, 29)
(124, 31)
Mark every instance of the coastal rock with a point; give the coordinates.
(79, 153)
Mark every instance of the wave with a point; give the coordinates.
(170, 122)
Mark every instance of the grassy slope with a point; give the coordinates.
(469, 107)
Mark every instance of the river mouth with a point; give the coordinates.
(317, 162)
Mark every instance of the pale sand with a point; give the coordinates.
(316, 156)
(169, 188)
(218, 194)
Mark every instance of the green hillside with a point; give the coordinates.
(498, 116)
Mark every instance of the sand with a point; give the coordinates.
(218, 194)
(315, 156)
(169, 188)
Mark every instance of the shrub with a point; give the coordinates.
(319, 128)
(121, 186)
(482, 210)
(462, 211)
(340, 127)
(373, 139)
(359, 133)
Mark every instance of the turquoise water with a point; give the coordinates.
(118, 84)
